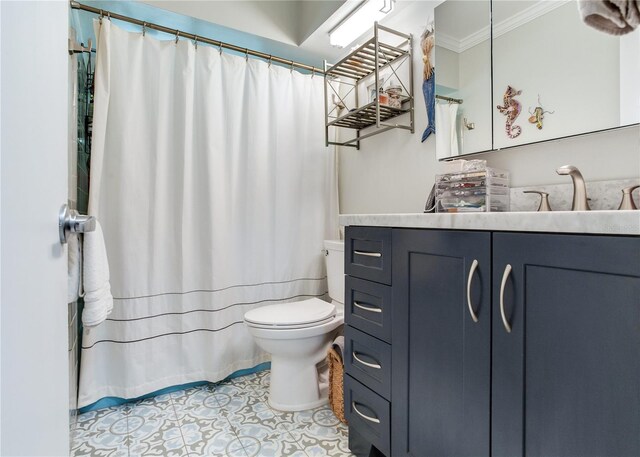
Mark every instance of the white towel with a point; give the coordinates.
(74, 267)
(98, 301)
(615, 17)
(446, 130)
(338, 345)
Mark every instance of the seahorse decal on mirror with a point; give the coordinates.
(511, 108)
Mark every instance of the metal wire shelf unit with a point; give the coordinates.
(365, 63)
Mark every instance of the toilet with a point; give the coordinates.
(298, 335)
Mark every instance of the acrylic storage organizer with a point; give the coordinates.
(480, 190)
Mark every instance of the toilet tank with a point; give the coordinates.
(334, 259)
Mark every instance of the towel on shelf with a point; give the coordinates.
(98, 301)
(615, 17)
(338, 345)
(74, 267)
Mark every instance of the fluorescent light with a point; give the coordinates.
(359, 21)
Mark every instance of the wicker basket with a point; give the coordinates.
(336, 384)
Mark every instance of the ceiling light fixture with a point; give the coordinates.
(359, 21)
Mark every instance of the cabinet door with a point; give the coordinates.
(566, 378)
(441, 357)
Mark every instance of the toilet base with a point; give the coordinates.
(295, 385)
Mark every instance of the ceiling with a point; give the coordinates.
(288, 21)
(301, 23)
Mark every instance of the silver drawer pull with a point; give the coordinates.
(505, 276)
(377, 366)
(375, 420)
(371, 309)
(368, 254)
(474, 265)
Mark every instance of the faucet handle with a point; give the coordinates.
(627, 199)
(544, 199)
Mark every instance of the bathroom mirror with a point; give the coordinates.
(463, 77)
(567, 77)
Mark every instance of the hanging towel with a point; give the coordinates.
(98, 301)
(74, 267)
(615, 17)
(446, 136)
(338, 346)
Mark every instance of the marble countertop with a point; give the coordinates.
(595, 222)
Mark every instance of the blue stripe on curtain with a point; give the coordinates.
(108, 402)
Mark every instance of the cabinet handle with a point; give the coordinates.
(367, 308)
(368, 254)
(505, 276)
(377, 366)
(375, 420)
(474, 265)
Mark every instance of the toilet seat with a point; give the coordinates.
(293, 315)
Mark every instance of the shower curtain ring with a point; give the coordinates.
(270, 60)
(291, 71)
(101, 16)
(220, 47)
(195, 41)
(109, 15)
(246, 55)
(144, 28)
(177, 35)
(313, 72)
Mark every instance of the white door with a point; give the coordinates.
(34, 392)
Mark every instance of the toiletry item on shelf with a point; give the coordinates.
(395, 96)
(474, 165)
(479, 190)
(451, 166)
(382, 97)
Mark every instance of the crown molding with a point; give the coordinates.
(526, 15)
(448, 42)
(541, 8)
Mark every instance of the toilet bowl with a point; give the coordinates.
(298, 335)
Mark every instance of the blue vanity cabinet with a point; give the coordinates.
(504, 345)
(441, 343)
(566, 346)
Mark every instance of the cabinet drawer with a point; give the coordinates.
(368, 253)
(368, 413)
(368, 307)
(368, 360)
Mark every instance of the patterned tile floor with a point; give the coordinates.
(230, 419)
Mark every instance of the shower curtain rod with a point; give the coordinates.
(198, 39)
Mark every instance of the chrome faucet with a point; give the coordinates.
(580, 202)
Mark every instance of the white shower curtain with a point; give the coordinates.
(214, 189)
